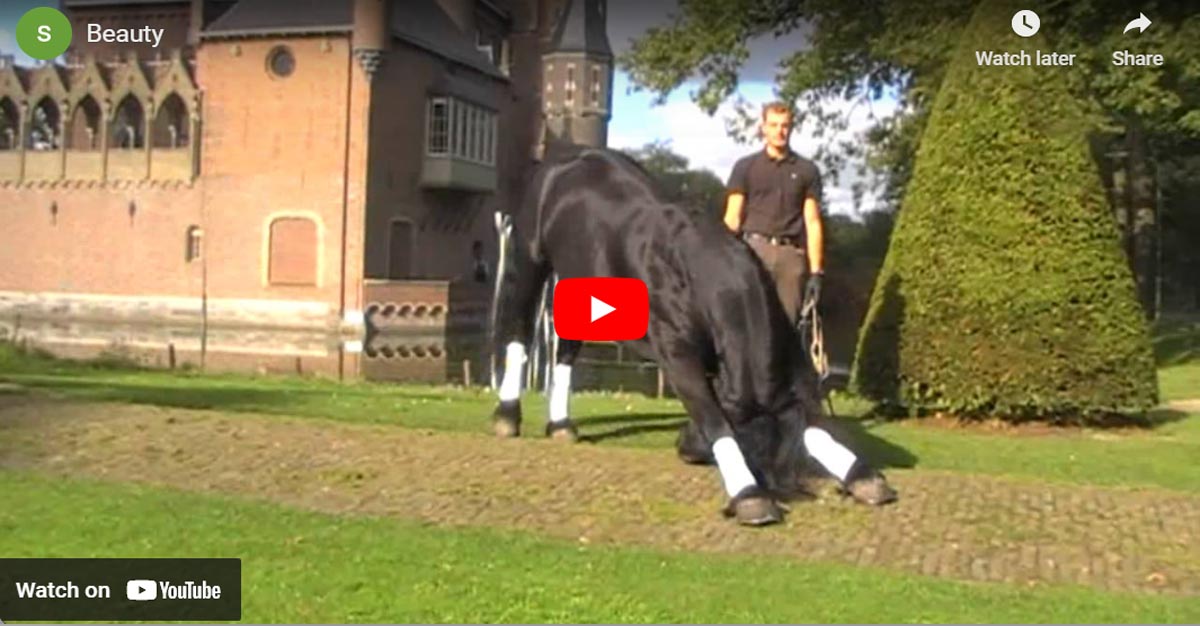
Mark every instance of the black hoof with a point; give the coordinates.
(871, 487)
(753, 507)
(506, 420)
(692, 447)
(564, 430)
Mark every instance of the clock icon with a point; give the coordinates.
(1026, 23)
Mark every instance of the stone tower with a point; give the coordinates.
(578, 73)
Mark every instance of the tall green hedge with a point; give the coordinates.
(1005, 291)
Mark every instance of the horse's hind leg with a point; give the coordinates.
(559, 425)
(516, 323)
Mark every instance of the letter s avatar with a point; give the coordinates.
(43, 33)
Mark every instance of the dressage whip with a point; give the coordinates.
(504, 226)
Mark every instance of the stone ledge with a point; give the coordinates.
(80, 184)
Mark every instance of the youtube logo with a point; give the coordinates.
(601, 309)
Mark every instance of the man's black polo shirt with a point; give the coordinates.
(775, 192)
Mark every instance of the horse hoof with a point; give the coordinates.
(753, 507)
(872, 490)
(564, 430)
(506, 421)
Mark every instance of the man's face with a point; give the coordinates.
(777, 129)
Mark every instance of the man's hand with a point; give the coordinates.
(812, 290)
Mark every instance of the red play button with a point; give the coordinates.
(601, 309)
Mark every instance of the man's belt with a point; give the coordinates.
(791, 242)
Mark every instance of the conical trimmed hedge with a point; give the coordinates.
(1005, 291)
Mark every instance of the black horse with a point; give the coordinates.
(716, 327)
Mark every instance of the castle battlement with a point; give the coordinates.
(92, 120)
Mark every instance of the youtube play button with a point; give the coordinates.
(601, 309)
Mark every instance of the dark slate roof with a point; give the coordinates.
(582, 28)
(283, 17)
(421, 23)
(105, 3)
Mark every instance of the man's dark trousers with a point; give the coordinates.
(788, 267)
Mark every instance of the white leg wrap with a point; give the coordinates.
(514, 361)
(832, 455)
(560, 393)
(734, 472)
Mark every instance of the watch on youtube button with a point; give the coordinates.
(601, 309)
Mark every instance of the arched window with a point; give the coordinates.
(293, 252)
(194, 244)
(129, 125)
(171, 123)
(9, 125)
(84, 131)
(44, 129)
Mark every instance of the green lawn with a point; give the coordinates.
(1164, 456)
(304, 567)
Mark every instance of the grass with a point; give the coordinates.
(1163, 457)
(1177, 349)
(1179, 382)
(304, 567)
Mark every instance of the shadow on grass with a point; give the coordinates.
(856, 434)
(1177, 340)
(642, 423)
(189, 395)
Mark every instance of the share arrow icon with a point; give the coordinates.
(1141, 23)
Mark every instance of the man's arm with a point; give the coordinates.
(815, 235)
(733, 211)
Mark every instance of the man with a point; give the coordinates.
(773, 204)
(479, 266)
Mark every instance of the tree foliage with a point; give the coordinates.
(1005, 290)
(697, 188)
(860, 50)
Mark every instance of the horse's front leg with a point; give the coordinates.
(749, 502)
(516, 323)
(559, 424)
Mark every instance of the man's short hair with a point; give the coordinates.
(777, 106)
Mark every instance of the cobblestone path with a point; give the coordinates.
(957, 526)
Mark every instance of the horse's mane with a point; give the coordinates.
(560, 152)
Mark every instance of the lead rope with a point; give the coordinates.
(816, 347)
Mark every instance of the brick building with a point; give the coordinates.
(286, 179)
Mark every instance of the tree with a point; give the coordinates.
(1005, 290)
(697, 188)
(862, 49)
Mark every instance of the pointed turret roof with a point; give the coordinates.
(582, 27)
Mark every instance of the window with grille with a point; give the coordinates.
(460, 129)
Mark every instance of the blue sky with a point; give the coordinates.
(690, 132)
(10, 12)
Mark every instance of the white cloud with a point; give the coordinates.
(707, 145)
